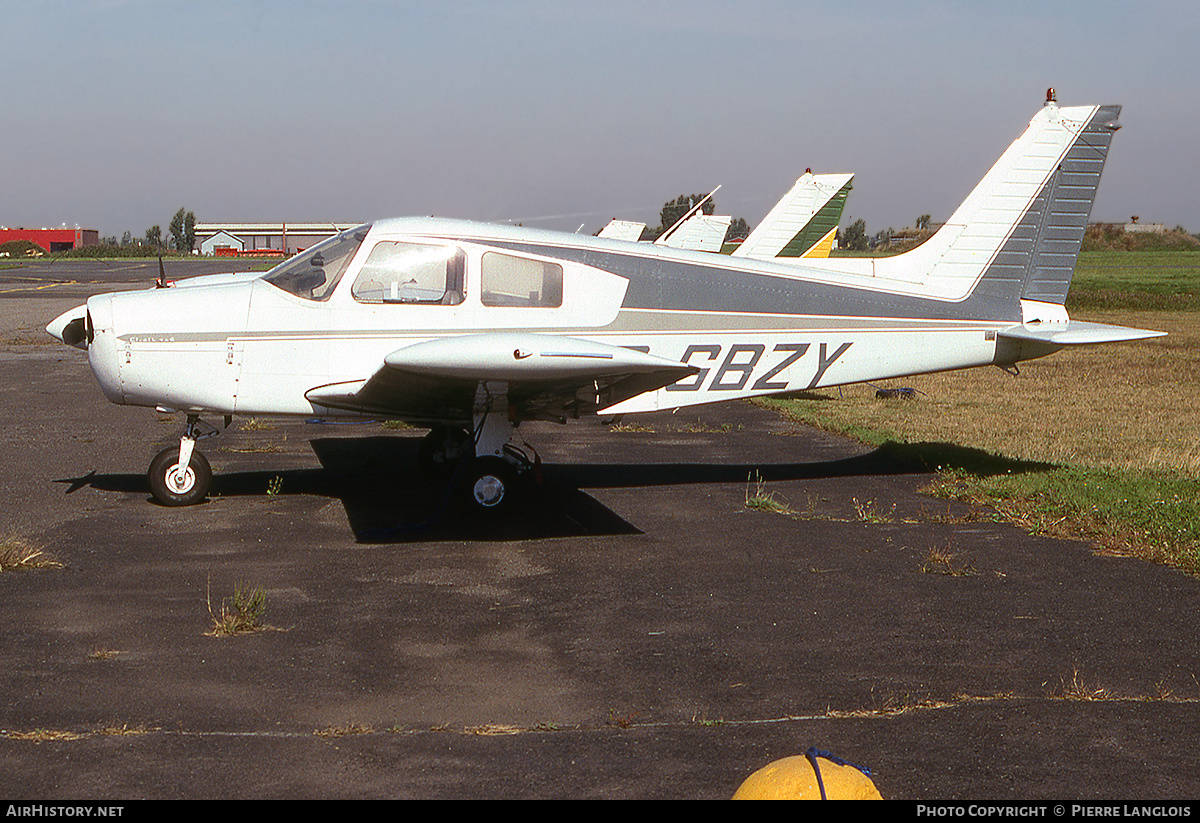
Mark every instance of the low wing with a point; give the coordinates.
(547, 378)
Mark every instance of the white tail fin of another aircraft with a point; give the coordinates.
(700, 232)
(622, 230)
(804, 221)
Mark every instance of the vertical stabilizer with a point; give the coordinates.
(1018, 234)
(803, 222)
(700, 232)
(622, 230)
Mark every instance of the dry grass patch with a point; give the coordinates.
(893, 706)
(346, 730)
(1076, 689)
(41, 735)
(124, 730)
(944, 560)
(1098, 442)
(1123, 405)
(18, 553)
(870, 512)
(759, 499)
(493, 730)
(631, 427)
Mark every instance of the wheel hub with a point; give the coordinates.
(488, 491)
(180, 482)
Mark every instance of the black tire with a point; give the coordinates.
(166, 491)
(490, 487)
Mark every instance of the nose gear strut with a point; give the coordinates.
(182, 476)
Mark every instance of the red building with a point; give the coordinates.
(53, 240)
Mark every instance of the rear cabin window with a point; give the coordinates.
(397, 272)
(506, 280)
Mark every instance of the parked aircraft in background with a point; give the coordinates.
(694, 231)
(804, 223)
(468, 329)
(628, 230)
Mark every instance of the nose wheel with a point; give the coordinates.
(181, 476)
(173, 487)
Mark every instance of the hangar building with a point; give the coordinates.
(52, 240)
(284, 239)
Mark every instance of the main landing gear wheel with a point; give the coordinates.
(171, 488)
(490, 486)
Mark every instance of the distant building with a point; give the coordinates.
(223, 244)
(1148, 228)
(53, 240)
(264, 238)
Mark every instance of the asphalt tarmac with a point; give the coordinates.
(635, 631)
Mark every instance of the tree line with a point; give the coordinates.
(180, 237)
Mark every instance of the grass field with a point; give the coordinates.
(1157, 280)
(1099, 442)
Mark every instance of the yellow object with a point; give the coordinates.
(793, 778)
(823, 246)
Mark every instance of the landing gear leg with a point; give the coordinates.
(181, 477)
(442, 449)
(491, 484)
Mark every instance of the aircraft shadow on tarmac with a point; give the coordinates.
(388, 505)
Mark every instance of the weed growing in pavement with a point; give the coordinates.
(762, 500)
(241, 614)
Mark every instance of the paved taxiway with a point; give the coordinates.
(639, 633)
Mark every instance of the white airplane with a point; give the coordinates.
(803, 224)
(469, 329)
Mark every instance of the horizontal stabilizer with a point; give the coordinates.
(1076, 333)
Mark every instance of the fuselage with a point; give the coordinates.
(259, 345)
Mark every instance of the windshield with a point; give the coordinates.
(315, 272)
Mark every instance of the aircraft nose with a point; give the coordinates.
(102, 351)
(71, 327)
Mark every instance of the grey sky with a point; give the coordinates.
(118, 112)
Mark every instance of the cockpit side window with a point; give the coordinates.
(315, 272)
(506, 280)
(396, 272)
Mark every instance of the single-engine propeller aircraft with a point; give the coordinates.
(468, 329)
